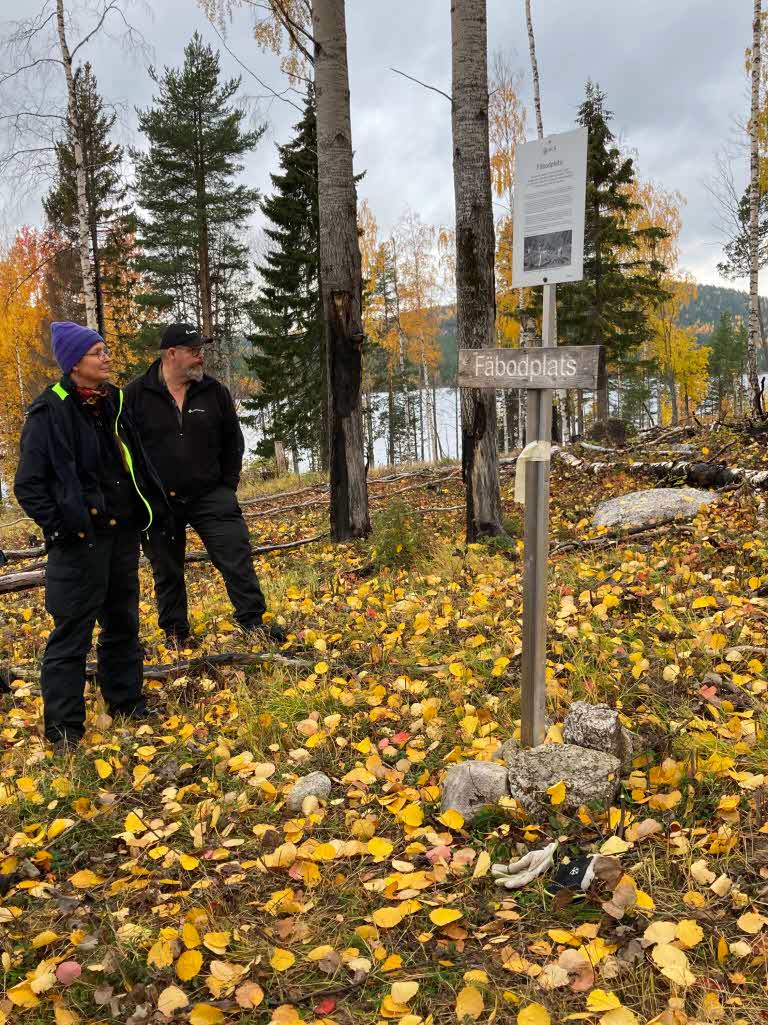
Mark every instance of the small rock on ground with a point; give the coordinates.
(469, 786)
(590, 777)
(316, 784)
(598, 727)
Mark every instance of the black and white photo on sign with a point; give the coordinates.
(552, 249)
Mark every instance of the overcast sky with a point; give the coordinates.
(673, 71)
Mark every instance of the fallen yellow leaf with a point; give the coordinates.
(534, 1014)
(189, 964)
(402, 992)
(469, 1004)
(601, 1000)
(557, 794)
(444, 916)
(673, 964)
(172, 999)
(205, 1014)
(85, 879)
(282, 959)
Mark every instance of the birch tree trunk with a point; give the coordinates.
(83, 232)
(340, 271)
(475, 288)
(754, 202)
(534, 70)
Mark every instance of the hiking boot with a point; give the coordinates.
(267, 631)
(65, 745)
(190, 642)
(140, 712)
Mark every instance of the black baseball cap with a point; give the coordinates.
(182, 334)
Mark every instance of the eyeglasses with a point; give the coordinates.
(102, 354)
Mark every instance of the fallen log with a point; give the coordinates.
(160, 672)
(701, 474)
(10, 582)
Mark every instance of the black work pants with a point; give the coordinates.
(218, 520)
(85, 584)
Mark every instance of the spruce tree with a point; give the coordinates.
(728, 346)
(621, 282)
(108, 210)
(193, 252)
(288, 336)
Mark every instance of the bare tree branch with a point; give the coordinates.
(110, 6)
(28, 67)
(424, 84)
(262, 83)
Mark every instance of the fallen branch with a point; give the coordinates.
(615, 537)
(10, 582)
(12, 523)
(740, 694)
(161, 672)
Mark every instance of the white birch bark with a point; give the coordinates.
(534, 70)
(754, 203)
(89, 286)
(340, 271)
(475, 251)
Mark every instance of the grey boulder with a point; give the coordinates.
(644, 508)
(598, 727)
(316, 784)
(470, 786)
(590, 777)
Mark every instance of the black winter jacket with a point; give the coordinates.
(58, 480)
(194, 450)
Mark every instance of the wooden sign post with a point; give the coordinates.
(539, 371)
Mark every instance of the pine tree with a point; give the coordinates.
(192, 249)
(108, 210)
(289, 357)
(621, 285)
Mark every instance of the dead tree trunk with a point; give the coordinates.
(475, 288)
(83, 230)
(754, 203)
(340, 271)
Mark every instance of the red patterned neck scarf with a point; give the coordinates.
(92, 396)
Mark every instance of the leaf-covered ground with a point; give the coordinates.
(158, 876)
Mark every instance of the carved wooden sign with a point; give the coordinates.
(567, 366)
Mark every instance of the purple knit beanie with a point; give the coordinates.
(70, 342)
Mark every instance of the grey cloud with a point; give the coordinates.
(673, 71)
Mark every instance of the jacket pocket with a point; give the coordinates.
(71, 581)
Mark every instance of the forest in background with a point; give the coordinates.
(164, 243)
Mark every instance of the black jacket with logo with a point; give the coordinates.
(73, 473)
(194, 449)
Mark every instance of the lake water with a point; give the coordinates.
(447, 399)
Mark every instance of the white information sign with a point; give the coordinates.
(550, 193)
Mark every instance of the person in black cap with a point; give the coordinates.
(190, 430)
(83, 477)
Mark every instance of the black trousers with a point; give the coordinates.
(83, 584)
(218, 520)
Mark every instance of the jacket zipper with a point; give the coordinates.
(129, 461)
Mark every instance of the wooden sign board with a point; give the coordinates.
(567, 366)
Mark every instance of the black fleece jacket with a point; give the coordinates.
(64, 480)
(194, 449)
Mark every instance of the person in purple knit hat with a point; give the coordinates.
(84, 478)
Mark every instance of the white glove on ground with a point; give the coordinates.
(526, 869)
